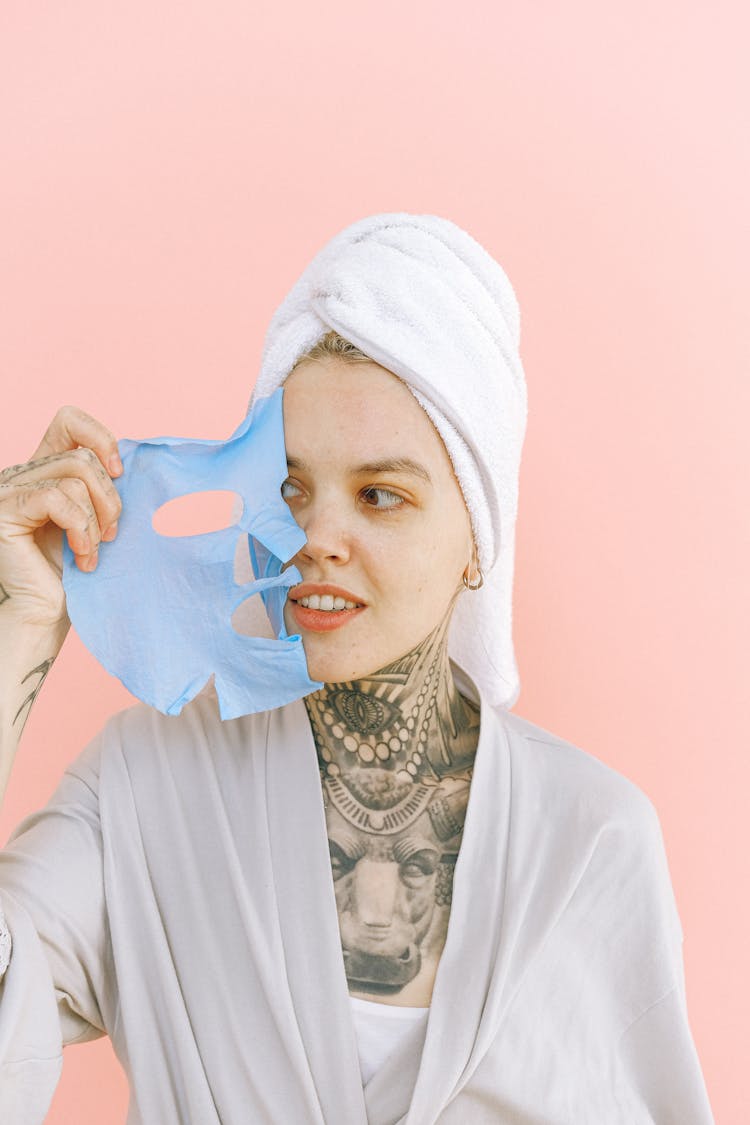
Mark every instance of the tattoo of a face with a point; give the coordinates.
(395, 752)
(41, 670)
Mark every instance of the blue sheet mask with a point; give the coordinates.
(157, 610)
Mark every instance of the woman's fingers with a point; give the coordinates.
(65, 490)
(84, 541)
(25, 507)
(88, 484)
(72, 427)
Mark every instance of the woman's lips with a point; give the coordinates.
(322, 620)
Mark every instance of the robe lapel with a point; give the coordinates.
(457, 1028)
(520, 861)
(308, 917)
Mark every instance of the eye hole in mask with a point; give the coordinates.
(198, 513)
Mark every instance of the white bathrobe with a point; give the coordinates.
(176, 894)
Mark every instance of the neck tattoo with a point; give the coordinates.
(395, 752)
(408, 718)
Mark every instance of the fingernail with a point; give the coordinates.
(110, 533)
(114, 464)
(92, 560)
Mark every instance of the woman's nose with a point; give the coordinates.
(327, 536)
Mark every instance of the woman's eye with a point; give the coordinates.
(288, 490)
(381, 498)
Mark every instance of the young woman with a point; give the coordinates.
(391, 900)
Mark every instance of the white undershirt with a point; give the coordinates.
(379, 1029)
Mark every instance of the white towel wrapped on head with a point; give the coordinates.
(426, 301)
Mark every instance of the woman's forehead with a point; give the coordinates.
(358, 413)
(333, 380)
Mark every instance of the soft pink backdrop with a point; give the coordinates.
(169, 169)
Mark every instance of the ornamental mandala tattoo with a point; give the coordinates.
(395, 752)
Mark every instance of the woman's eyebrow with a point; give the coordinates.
(394, 465)
(387, 465)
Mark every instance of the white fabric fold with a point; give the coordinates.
(425, 300)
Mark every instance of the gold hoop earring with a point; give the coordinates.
(474, 585)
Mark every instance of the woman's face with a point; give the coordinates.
(372, 486)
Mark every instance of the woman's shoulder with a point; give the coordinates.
(564, 795)
(570, 771)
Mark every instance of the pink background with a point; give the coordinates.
(170, 168)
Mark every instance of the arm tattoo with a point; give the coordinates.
(41, 670)
(4, 595)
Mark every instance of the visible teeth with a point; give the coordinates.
(326, 602)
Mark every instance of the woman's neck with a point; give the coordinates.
(409, 717)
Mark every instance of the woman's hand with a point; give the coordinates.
(64, 489)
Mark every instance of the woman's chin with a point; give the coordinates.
(332, 672)
(331, 663)
(329, 668)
